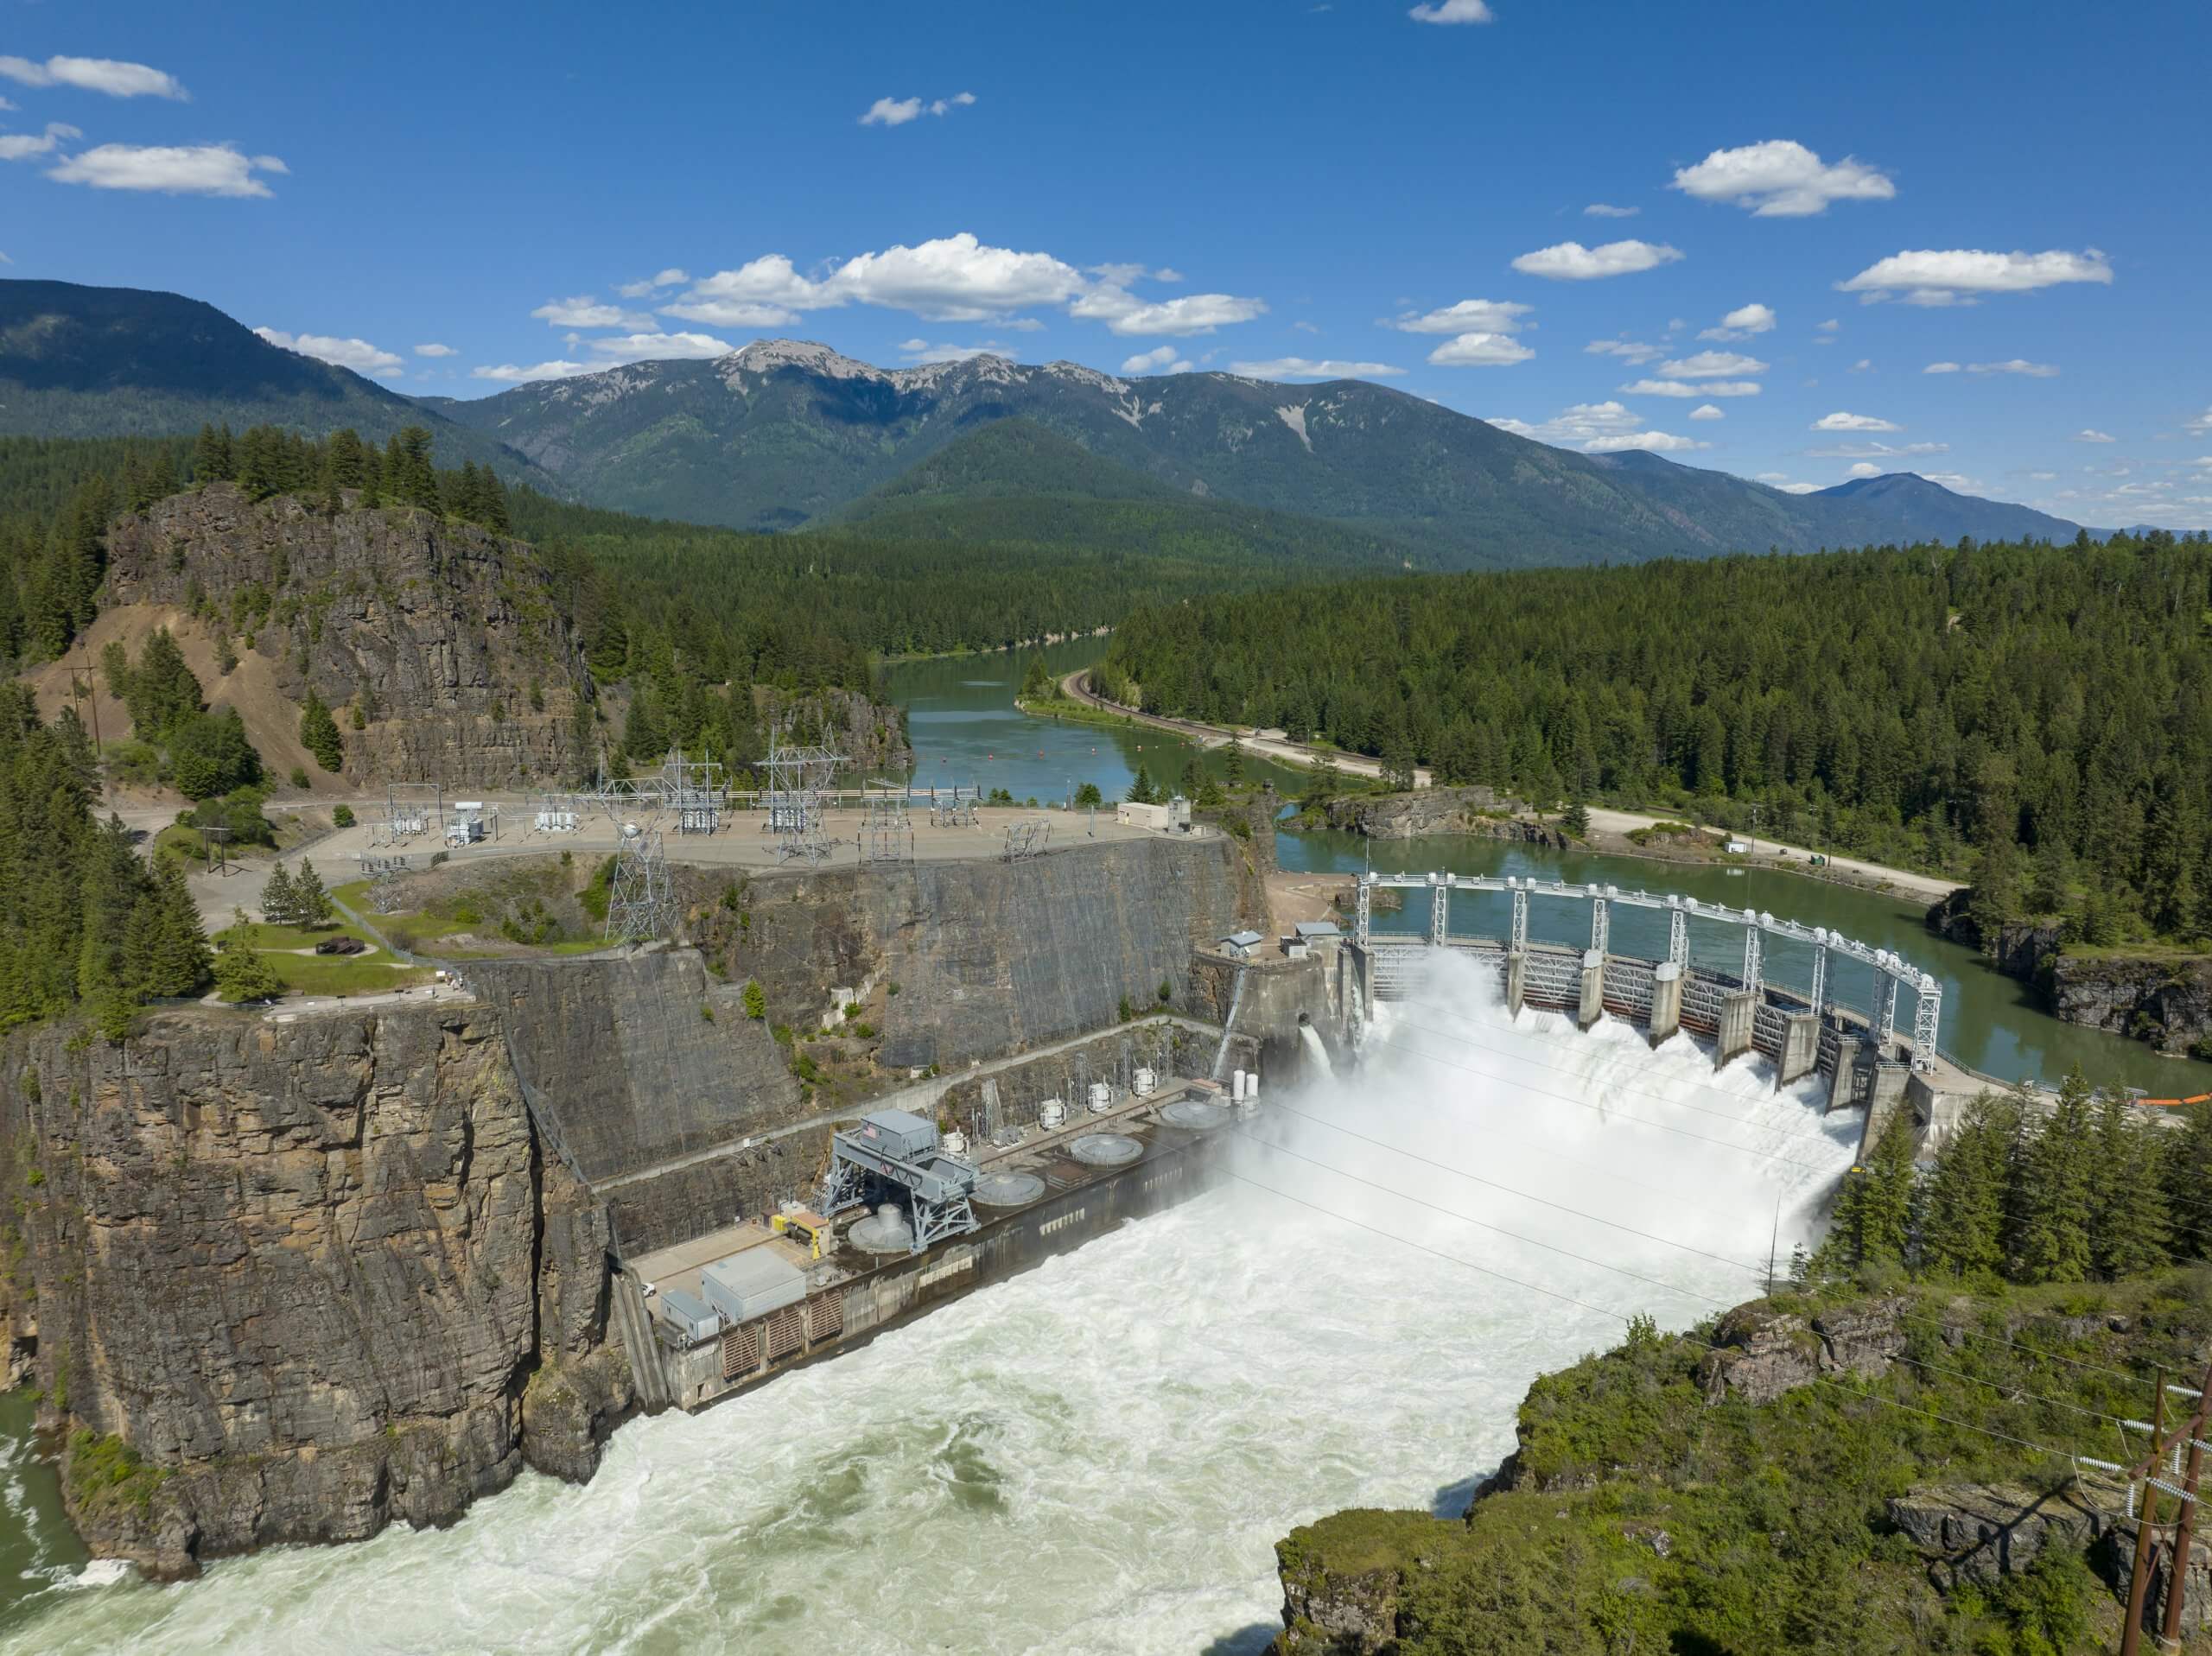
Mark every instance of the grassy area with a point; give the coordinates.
(1647, 1517)
(1073, 712)
(2174, 953)
(328, 975)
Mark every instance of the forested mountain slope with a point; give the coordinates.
(784, 432)
(2035, 716)
(111, 362)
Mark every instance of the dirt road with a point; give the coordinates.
(1077, 688)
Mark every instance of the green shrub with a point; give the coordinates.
(341, 816)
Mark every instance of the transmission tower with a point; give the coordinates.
(797, 779)
(693, 788)
(886, 835)
(640, 904)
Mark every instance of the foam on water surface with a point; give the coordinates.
(1099, 1455)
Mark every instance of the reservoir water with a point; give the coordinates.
(1097, 1456)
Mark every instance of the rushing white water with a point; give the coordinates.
(1097, 1456)
(1317, 1052)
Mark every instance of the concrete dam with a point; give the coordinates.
(362, 1265)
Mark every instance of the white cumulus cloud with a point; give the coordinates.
(1842, 422)
(897, 111)
(190, 169)
(1711, 364)
(648, 286)
(1468, 316)
(584, 311)
(1125, 313)
(1162, 359)
(1708, 411)
(514, 374)
(1864, 468)
(1607, 210)
(1480, 351)
(436, 351)
(1931, 276)
(655, 346)
(1301, 368)
(1572, 261)
(357, 354)
(1452, 12)
(2090, 434)
(1941, 368)
(21, 146)
(1599, 428)
(105, 75)
(2017, 366)
(1628, 350)
(1781, 179)
(1685, 387)
(1741, 323)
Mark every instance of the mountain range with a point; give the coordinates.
(786, 431)
(789, 434)
(116, 362)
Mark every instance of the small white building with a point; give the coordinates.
(1239, 945)
(1172, 818)
(1308, 935)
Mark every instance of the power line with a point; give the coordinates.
(1465, 1218)
(1625, 1087)
(1476, 1178)
(1454, 1259)
(1583, 1104)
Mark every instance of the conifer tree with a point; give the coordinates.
(311, 904)
(2052, 1190)
(211, 455)
(242, 973)
(319, 734)
(2130, 1232)
(179, 962)
(1872, 1222)
(2188, 1183)
(279, 900)
(1962, 1234)
(1142, 792)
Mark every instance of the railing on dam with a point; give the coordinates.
(1551, 974)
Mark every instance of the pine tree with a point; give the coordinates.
(242, 973)
(211, 455)
(2130, 1232)
(2188, 1183)
(279, 898)
(179, 964)
(1233, 761)
(1962, 1234)
(493, 507)
(1872, 1223)
(311, 904)
(1142, 792)
(319, 734)
(2052, 1190)
(1576, 821)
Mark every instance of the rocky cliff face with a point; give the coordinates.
(2163, 996)
(2164, 999)
(1436, 810)
(290, 1283)
(444, 634)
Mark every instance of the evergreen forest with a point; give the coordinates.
(2035, 718)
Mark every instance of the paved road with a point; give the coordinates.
(1077, 688)
(1928, 887)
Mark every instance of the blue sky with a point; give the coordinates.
(1810, 205)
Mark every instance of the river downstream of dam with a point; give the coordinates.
(1098, 1455)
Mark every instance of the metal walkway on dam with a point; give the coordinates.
(1803, 1028)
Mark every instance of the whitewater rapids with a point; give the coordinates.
(1097, 1456)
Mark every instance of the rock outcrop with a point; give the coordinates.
(1975, 1533)
(292, 1282)
(1481, 812)
(2162, 996)
(2165, 999)
(1764, 1353)
(447, 637)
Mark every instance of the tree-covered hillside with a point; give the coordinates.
(2030, 713)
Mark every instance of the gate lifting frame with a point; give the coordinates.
(1891, 972)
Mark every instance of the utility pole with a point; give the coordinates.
(2177, 1570)
(2146, 1518)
